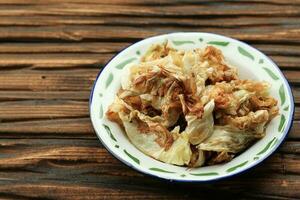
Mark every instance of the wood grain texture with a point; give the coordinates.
(50, 54)
(234, 8)
(118, 33)
(57, 164)
(218, 22)
(48, 80)
(148, 2)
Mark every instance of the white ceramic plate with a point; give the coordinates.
(251, 64)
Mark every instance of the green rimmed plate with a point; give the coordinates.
(251, 64)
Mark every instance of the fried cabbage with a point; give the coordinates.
(189, 107)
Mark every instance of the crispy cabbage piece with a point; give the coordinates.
(243, 104)
(227, 139)
(156, 141)
(253, 121)
(198, 129)
(220, 69)
(150, 136)
(197, 158)
(219, 157)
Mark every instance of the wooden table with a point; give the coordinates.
(50, 54)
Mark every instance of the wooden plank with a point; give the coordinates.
(168, 10)
(280, 50)
(48, 80)
(280, 189)
(296, 93)
(39, 109)
(297, 113)
(153, 21)
(53, 60)
(90, 47)
(292, 76)
(294, 132)
(73, 191)
(48, 128)
(285, 62)
(290, 147)
(72, 33)
(150, 2)
(12, 95)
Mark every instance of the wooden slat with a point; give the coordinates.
(43, 95)
(280, 50)
(150, 2)
(91, 47)
(73, 192)
(285, 62)
(153, 21)
(48, 128)
(297, 113)
(72, 33)
(294, 132)
(290, 148)
(292, 76)
(296, 93)
(75, 80)
(172, 10)
(37, 109)
(53, 60)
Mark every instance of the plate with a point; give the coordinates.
(251, 64)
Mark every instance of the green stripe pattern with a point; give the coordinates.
(160, 170)
(219, 43)
(231, 169)
(245, 53)
(132, 157)
(182, 42)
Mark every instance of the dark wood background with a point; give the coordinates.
(50, 53)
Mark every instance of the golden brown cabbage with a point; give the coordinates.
(227, 139)
(189, 107)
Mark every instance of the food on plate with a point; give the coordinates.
(190, 107)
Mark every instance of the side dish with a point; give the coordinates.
(190, 107)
